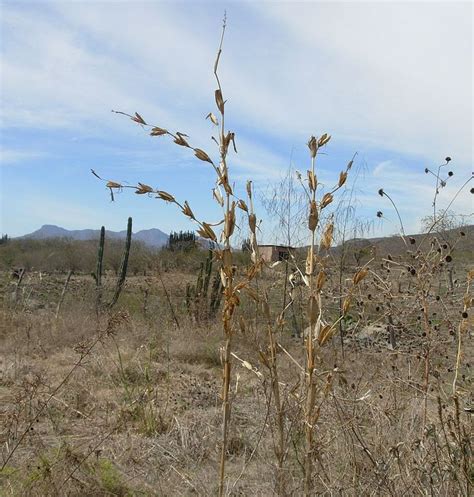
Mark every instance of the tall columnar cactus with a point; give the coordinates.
(198, 301)
(98, 271)
(122, 271)
(123, 264)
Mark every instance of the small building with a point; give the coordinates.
(274, 253)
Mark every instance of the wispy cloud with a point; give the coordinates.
(11, 156)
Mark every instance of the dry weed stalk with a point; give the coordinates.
(315, 277)
(228, 201)
(425, 264)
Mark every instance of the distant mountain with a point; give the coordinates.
(395, 246)
(152, 238)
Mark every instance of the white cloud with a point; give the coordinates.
(12, 156)
(381, 167)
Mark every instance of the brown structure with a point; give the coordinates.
(273, 253)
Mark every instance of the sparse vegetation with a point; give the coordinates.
(196, 380)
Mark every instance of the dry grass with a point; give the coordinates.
(142, 415)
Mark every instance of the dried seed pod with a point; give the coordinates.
(242, 205)
(229, 221)
(313, 216)
(213, 118)
(113, 184)
(326, 200)
(359, 276)
(156, 131)
(327, 237)
(249, 189)
(165, 196)
(142, 189)
(179, 140)
(324, 139)
(312, 182)
(138, 119)
(342, 178)
(313, 311)
(252, 222)
(346, 305)
(227, 257)
(320, 281)
(187, 210)
(313, 146)
(207, 232)
(325, 334)
(201, 155)
(218, 196)
(219, 101)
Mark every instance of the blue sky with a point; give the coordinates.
(391, 81)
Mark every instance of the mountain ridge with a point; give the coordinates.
(152, 237)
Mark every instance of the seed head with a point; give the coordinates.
(448, 159)
(379, 214)
(381, 192)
